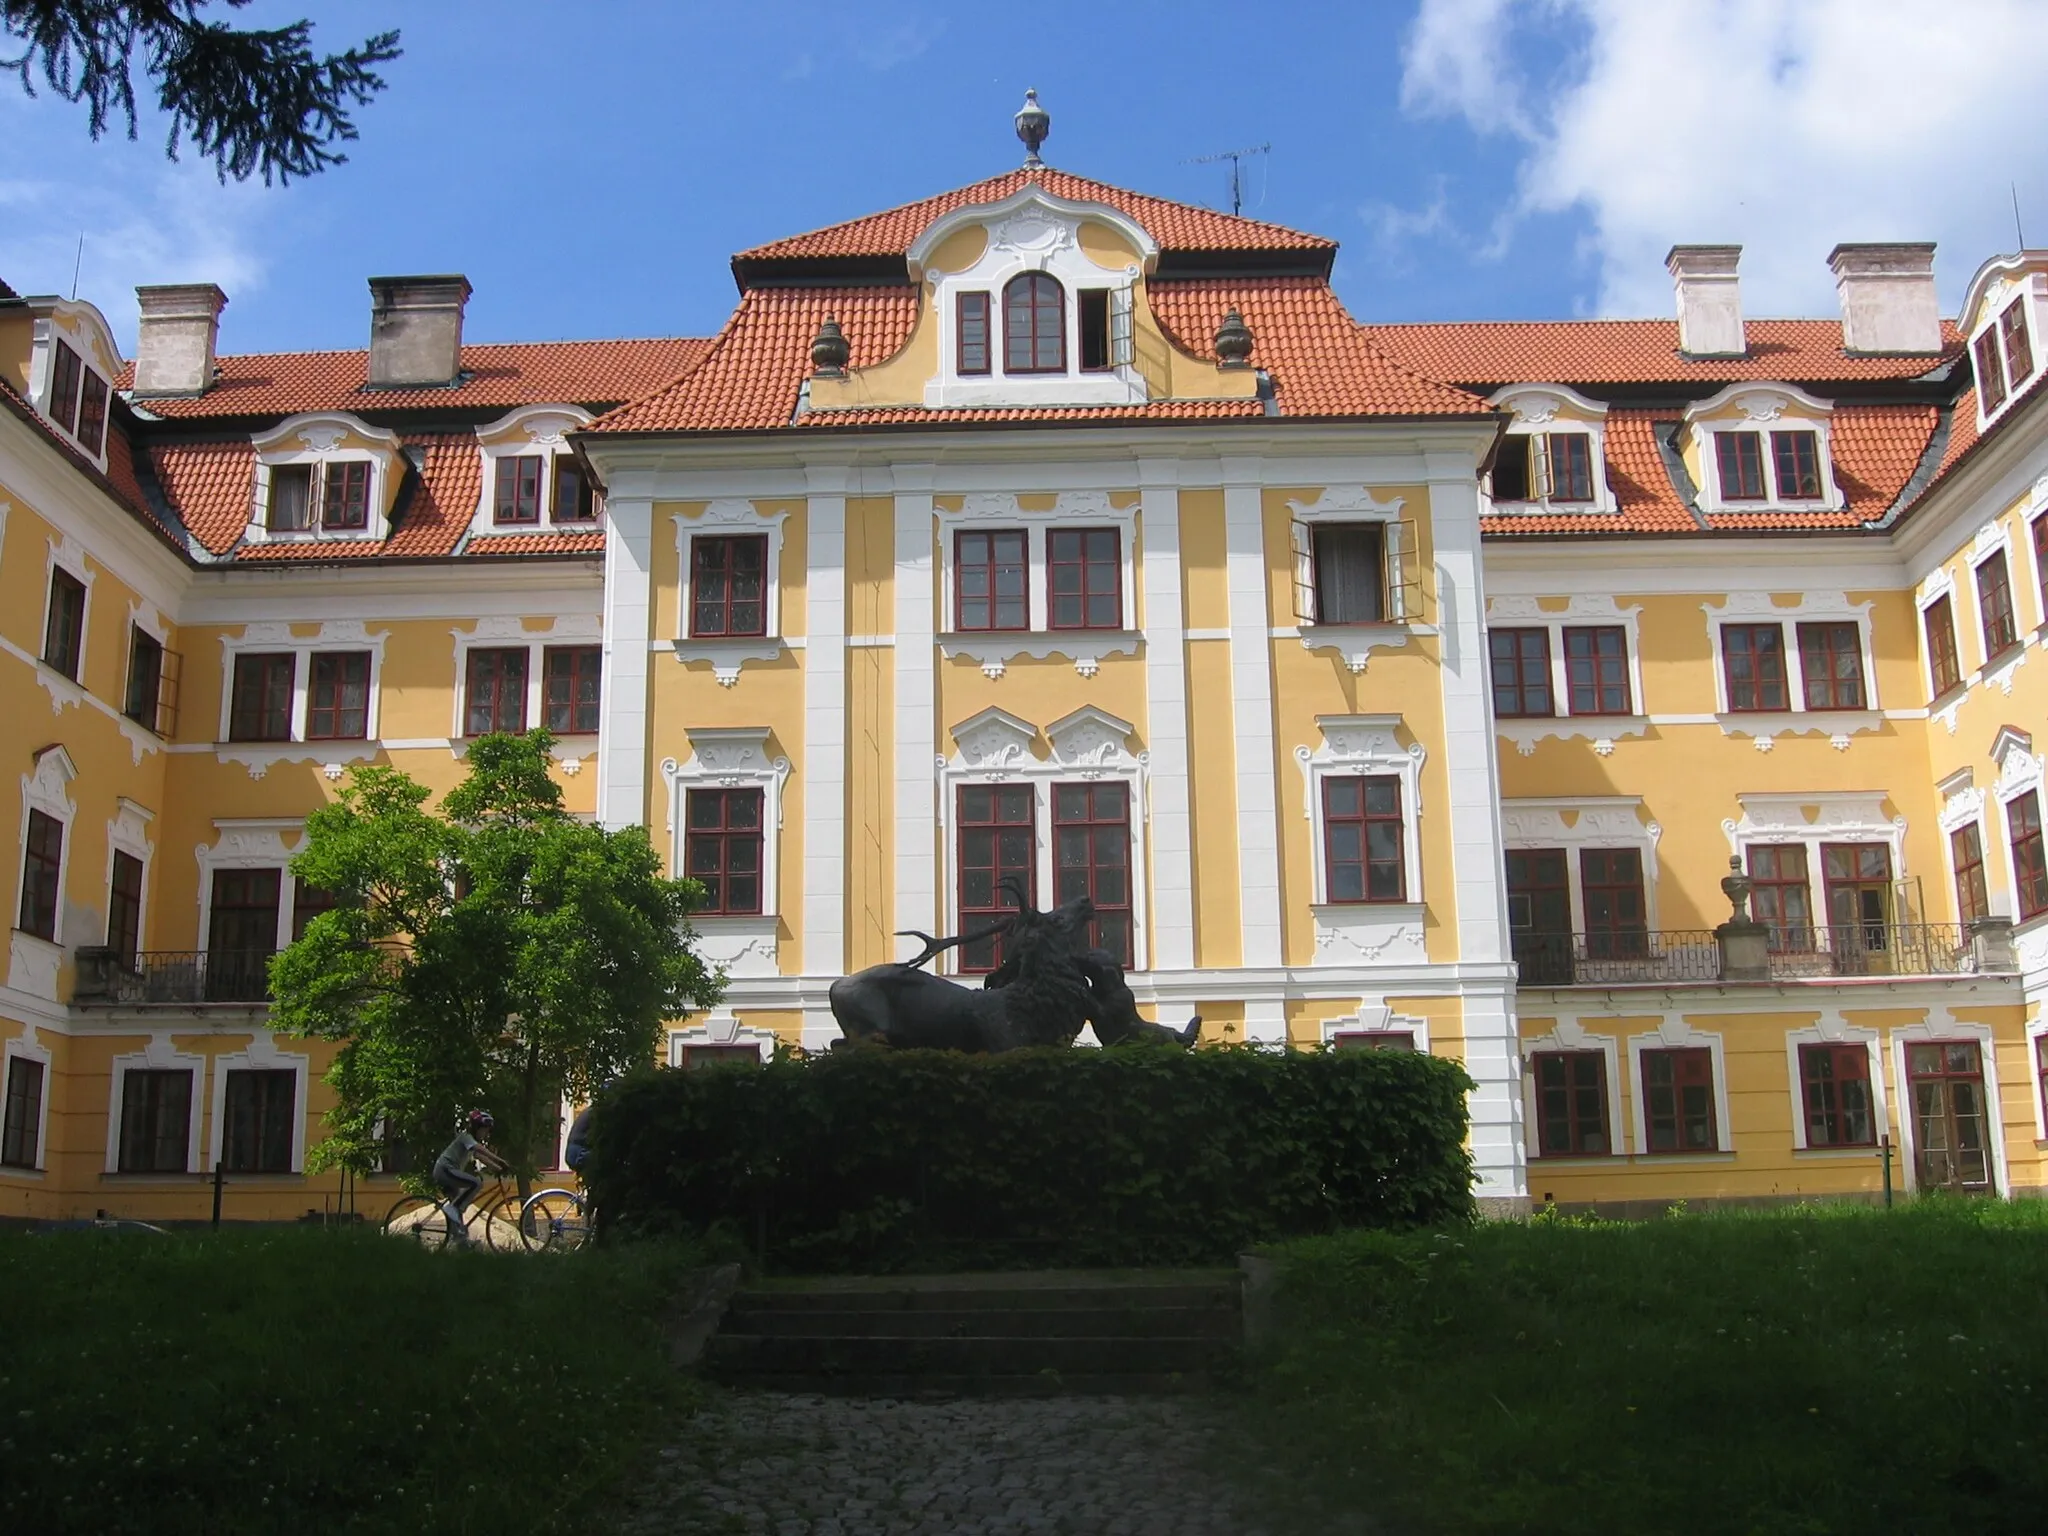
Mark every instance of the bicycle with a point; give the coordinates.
(421, 1219)
(554, 1221)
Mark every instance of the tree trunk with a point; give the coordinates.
(529, 1091)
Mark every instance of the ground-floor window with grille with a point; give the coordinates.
(260, 1115)
(1571, 1103)
(156, 1121)
(1678, 1100)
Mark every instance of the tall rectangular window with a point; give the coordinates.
(2029, 867)
(1511, 478)
(1571, 465)
(971, 311)
(261, 707)
(1740, 459)
(257, 1121)
(1350, 572)
(1571, 1103)
(722, 848)
(1990, 377)
(65, 371)
(1091, 853)
(729, 585)
(1521, 673)
(1781, 896)
(1951, 1122)
(1831, 662)
(1034, 324)
(1596, 669)
(2012, 341)
(1753, 660)
(1942, 665)
(42, 870)
(241, 933)
(156, 1121)
(1092, 312)
(1795, 458)
(1363, 858)
(1084, 569)
(496, 696)
(338, 704)
(1539, 895)
(1834, 1081)
(1617, 916)
(997, 833)
(21, 1122)
(1678, 1100)
(575, 496)
(1994, 605)
(291, 499)
(92, 414)
(145, 678)
(124, 908)
(1966, 852)
(571, 673)
(1857, 878)
(518, 489)
(64, 630)
(989, 572)
(2040, 527)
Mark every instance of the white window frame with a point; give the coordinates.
(506, 632)
(260, 1055)
(1579, 612)
(158, 1055)
(254, 842)
(270, 637)
(1765, 408)
(1941, 1025)
(1377, 1018)
(2037, 1031)
(2031, 517)
(734, 757)
(1604, 821)
(1090, 744)
(128, 832)
(1365, 932)
(720, 1027)
(315, 439)
(2000, 297)
(727, 517)
(1845, 816)
(2021, 770)
(1994, 542)
(1940, 583)
(1962, 805)
(999, 512)
(1832, 1028)
(93, 342)
(1746, 608)
(1569, 1034)
(532, 431)
(33, 961)
(24, 1047)
(66, 554)
(1675, 1034)
(1535, 411)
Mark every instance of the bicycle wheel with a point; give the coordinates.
(419, 1220)
(501, 1223)
(554, 1221)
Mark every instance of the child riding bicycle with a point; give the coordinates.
(452, 1175)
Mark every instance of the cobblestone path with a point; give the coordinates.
(818, 1466)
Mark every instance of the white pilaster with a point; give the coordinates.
(916, 893)
(628, 627)
(824, 753)
(1166, 720)
(1251, 693)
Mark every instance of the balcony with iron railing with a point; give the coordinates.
(1695, 955)
(177, 978)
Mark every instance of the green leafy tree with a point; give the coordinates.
(256, 100)
(497, 952)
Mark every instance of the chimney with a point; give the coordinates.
(416, 330)
(1709, 302)
(174, 344)
(1888, 303)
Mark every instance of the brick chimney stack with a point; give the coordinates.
(1888, 303)
(416, 330)
(1709, 300)
(174, 343)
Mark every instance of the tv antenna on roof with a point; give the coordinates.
(1236, 157)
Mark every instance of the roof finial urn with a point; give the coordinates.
(829, 350)
(1234, 341)
(1033, 124)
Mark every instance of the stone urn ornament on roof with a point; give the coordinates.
(1033, 124)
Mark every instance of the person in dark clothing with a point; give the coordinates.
(452, 1175)
(577, 1147)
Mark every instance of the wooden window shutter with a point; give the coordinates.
(1122, 328)
(1404, 578)
(1301, 539)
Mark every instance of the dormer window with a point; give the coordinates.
(2005, 357)
(1762, 445)
(305, 497)
(519, 486)
(1034, 324)
(1553, 454)
(971, 333)
(77, 399)
(575, 496)
(531, 480)
(1794, 461)
(1544, 466)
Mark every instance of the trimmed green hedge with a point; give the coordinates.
(876, 1160)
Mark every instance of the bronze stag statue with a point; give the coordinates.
(1049, 985)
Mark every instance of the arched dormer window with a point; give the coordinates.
(324, 475)
(1034, 324)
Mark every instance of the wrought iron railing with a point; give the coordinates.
(1872, 949)
(173, 976)
(1594, 959)
(1694, 954)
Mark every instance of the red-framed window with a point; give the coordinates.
(1596, 669)
(1740, 458)
(2041, 560)
(989, 575)
(241, 933)
(570, 675)
(1091, 856)
(261, 709)
(729, 585)
(156, 1121)
(722, 849)
(1084, 572)
(1990, 376)
(1781, 894)
(517, 498)
(970, 330)
(495, 698)
(575, 496)
(1571, 1104)
(1373, 1040)
(1363, 839)
(1795, 458)
(1617, 915)
(66, 369)
(997, 831)
(21, 1124)
(92, 413)
(1571, 465)
(42, 869)
(1753, 662)
(258, 1118)
(338, 697)
(2041, 1070)
(2029, 868)
(64, 629)
(1966, 852)
(1521, 673)
(1994, 606)
(308, 902)
(124, 908)
(1678, 1100)
(1831, 663)
(345, 495)
(697, 1057)
(1034, 324)
(1857, 880)
(1940, 624)
(1834, 1081)
(1951, 1123)
(2012, 342)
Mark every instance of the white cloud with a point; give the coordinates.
(1785, 125)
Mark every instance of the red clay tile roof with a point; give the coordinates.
(497, 374)
(1175, 226)
(587, 541)
(119, 482)
(1636, 352)
(1876, 449)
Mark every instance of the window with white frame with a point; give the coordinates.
(1550, 663)
(324, 476)
(1361, 795)
(283, 689)
(75, 395)
(1354, 560)
(1022, 582)
(1681, 1082)
(1836, 1073)
(1811, 658)
(532, 480)
(2003, 355)
(1581, 878)
(1572, 1093)
(258, 1116)
(47, 811)
(1770, 450)
(511, 678)
(1553, 455)
(725, 826)
(25, 1109)
(153, 1115)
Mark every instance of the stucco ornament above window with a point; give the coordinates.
(1553, 458)
(323, 476)
(1761, 447)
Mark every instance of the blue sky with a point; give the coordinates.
(592, 166)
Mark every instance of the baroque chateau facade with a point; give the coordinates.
(1402, 686)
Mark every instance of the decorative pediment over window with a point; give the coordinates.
(48, 788)
(1091, 740)
(995, 742)
(2019, 768)
(1756, 446)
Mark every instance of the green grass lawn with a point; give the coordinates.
(308, 1381)
(1816, 1371)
